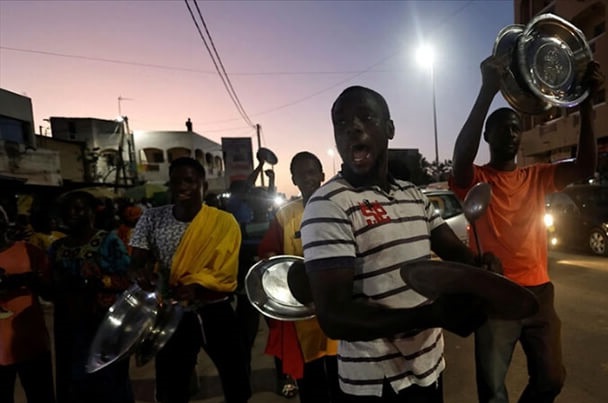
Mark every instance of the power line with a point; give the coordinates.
(101, 59)
(354, 75)
(220, 61)
(224, 78)
(188, 69)
(437, 26)
(229, 129)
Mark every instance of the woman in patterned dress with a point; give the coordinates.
(89, 270)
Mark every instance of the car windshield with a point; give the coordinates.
(446, 204)
(596, 199)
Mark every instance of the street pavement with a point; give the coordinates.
(459, 377)
(581, 302)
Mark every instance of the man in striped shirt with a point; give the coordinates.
(357, 231)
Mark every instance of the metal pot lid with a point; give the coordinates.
(268, 290)
(513, 86)
(502, 298)
(167, 318)
(553, 56)
(124, 324)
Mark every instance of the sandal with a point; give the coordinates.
(289, 389)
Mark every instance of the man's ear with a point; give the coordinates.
(293, 181)
(205, 187)
(485, 136)
(390, 129)
(322, 177)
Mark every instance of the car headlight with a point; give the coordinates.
(548, 219)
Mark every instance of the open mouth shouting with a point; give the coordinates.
(361, 156)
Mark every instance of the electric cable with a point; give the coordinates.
(215, 63)
(219, 59)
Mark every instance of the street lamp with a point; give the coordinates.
(425, 57)
(332, 154)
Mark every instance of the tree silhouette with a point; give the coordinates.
(437, 172)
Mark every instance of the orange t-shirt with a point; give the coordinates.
(23, 335)
(512, 227)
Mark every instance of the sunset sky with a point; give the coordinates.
(287, 61)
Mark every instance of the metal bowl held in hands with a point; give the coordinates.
(269, 291)
(513, 85)
(136, 322)
(502, 298)
(266, 155)
(553, 56)
(122, 327)
(167, 318)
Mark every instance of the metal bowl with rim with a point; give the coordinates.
(137, 322)
(167, 318)
(553, 56)
(268, 290)
(513, 86)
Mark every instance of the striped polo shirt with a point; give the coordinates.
(375, 232)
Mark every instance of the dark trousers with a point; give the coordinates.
(320, 382)
(540, 337)
(36, 376)
(412, 394)
(217, 332)
(110, 384)
(249, 323)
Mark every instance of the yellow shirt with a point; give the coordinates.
(313, 342)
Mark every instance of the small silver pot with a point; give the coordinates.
(545, 62)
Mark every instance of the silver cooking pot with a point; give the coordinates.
(544, 64)
(137, 323)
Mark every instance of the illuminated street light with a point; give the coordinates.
(426, 59)
(332, 154)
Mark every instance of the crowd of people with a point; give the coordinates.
(373, 339)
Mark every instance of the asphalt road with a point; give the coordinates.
(582, 297)
(581, 284)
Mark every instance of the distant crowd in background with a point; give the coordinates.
(75, 253)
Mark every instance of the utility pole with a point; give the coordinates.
(120, 168)
(121, 98)
(257, 130)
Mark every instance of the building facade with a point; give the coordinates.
(109, 155)
(21, 160)
(156, 149)
(553, 136)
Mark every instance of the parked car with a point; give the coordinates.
(450, 208)
(577, 217)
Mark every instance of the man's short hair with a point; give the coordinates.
(187, 162)
(497, 116)
(357, 88)
(303, 156)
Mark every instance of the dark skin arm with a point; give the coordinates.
(447, 246)
(141, 272)
(271, 185)
(467, 142)
(586, 157)
(343, 318)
